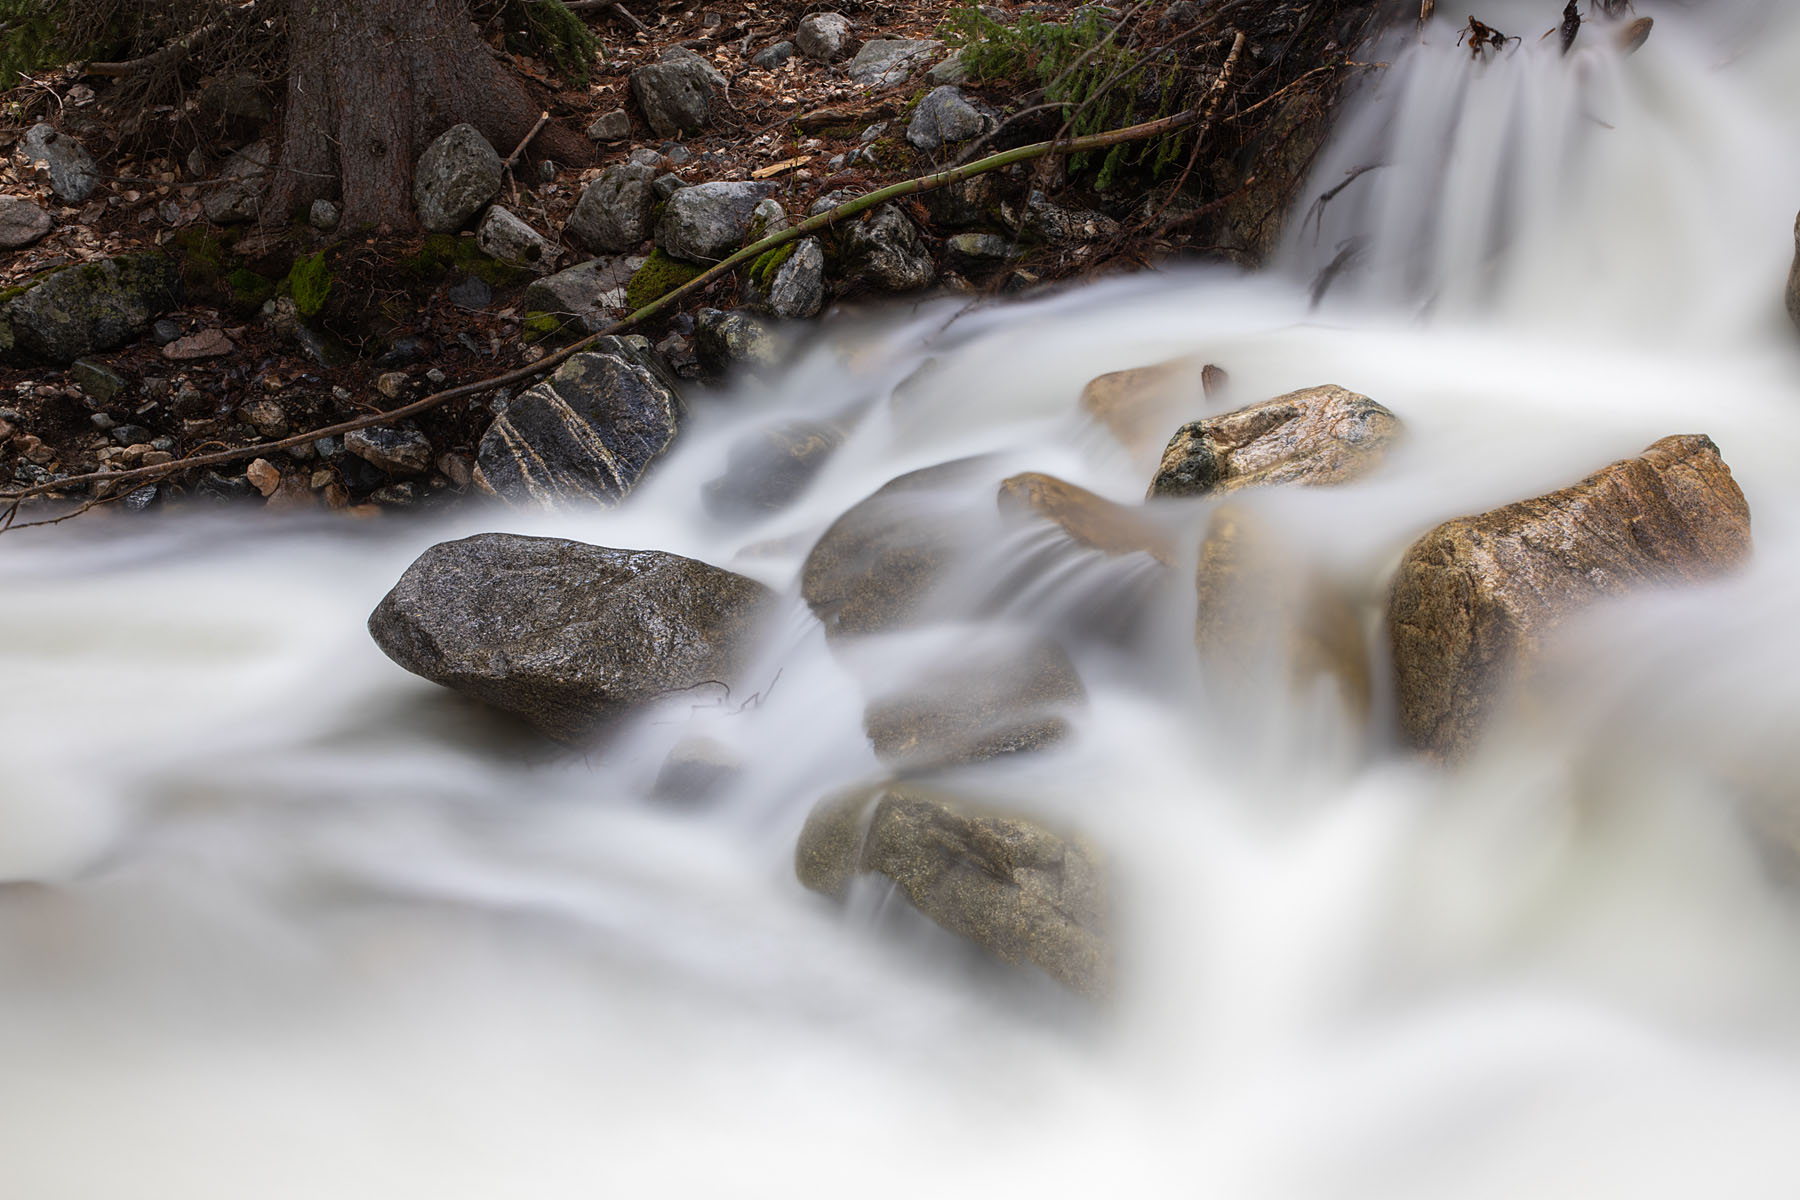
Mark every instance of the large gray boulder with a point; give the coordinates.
(705, 223)
(73, 172)
(824, 36)
(1022, 891)
(678, 93)
(613, 214)
(886, 62)
(93, 306)
(567, 635)
(1475, 598)
(21, 223)
(457, 176)
(1320, 435)
(587, 433)
(884, 249)
(945, 115)
(791, 283)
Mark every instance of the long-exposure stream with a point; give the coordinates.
(279, 919)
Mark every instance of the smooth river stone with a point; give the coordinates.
(1320, 435)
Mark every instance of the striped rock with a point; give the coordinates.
(587, 433)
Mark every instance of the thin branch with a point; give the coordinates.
(174, 51)
(850, 208)
(1215, 97)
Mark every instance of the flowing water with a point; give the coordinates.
(281, 920)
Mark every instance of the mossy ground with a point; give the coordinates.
(659, 276)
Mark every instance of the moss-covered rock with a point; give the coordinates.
(659, 276)
(94, 306)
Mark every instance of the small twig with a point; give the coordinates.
(1214, 98)
(850, 208)
(512, 160)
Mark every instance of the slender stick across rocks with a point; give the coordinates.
(138, 476)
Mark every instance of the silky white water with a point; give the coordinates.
(281, 920)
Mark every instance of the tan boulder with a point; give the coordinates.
(1319, 435)
(1090, 520)
(1137, 405)
(1475, 597)
(1026, 894)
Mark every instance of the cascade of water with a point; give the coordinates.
(281, 920)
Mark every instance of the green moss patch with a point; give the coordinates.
(659, 276)
(310, 284)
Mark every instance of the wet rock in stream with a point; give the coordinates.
(564, 634)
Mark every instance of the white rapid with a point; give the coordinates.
(279, 920)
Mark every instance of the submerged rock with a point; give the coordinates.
(769, 468)
(589, 432)
(977, 705)
(564, 634)
(876, 567)
(1474, 599)
(1089, 520)
(93, 306)
(1023, 892)
(1320, 435)
(1138, 405)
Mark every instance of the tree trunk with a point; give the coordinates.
(370, 83)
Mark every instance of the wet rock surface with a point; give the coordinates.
(876, 567)
(1321, 435)
(564, 634)
(1474, 598)
(768, 469)
(1089, 520)
(589, 432)
(725, 341)
(973, 706)
(1139, 404)
(1012, 885)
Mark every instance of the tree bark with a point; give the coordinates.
(370, 84)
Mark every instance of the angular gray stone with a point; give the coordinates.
(504, 237)
(21, 223)
(771, 57)
(767, 217)
(613, 214)
(703, 224)
(1320, 435)
(323, 215)
(824, 36)
(952, 70)
(588, 433)
(93, 306)
(795, 289)
(1044, 221)
(766, 470)
(666, 185)
(396, 451)
(883, 248)
(457, 176)
(585, 288)
(1023, 892)
(567, 635)
(238, 197)
(886, 62)
(614, 126)
(727, 340)
(678, 93)
(946, 115)
(73, 172)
